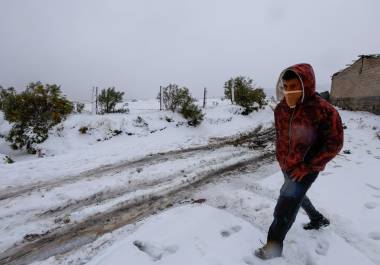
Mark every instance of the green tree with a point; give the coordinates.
(237, 82)
(178, 99)
(33, 112)
(174, 96)
(108, 99)
(192, 113)
(245, 94)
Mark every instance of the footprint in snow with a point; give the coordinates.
(374, 235)
(230, 231)
(371, 205)
(155, 252)
(322, 247)
(249, 260)
(377, 157)
(372, 186)
(261, 207)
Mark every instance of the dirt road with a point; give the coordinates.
(142, 188)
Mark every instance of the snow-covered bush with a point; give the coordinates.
(140, 122)
(4, 93)
(83, 129)
(179, 99)
(245, 94)
(79, 107)
(4, 159)
(108, 99)
(192, 113)
(33, 112)
(174, 96)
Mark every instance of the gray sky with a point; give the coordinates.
(139, 45)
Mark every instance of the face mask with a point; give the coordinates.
(292, 97)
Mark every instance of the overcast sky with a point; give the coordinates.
(139, 45)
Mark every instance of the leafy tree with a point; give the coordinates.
(33, 112)
(259, 97)
(245, 93)
(179, 99)
(174, 96)
(108, 99)
(237, 82)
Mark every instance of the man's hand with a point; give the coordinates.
(297, 175)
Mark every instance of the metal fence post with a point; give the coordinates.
(232, 92)
(93, 101)
(204, 97)
(96, 101)
(161, 99)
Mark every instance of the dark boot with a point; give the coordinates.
(317, 224)
(269, 251)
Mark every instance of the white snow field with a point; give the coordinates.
(233, 209)
(69, 152)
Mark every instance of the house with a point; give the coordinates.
(357, 87)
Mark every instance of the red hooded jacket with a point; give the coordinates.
(309, 135)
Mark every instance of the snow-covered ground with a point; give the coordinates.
(70, 152)
(238, 207)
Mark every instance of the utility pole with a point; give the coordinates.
(204, 97)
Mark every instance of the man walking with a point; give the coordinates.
(309, 134)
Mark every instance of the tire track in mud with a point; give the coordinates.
(59, 212)
(68, 237)
(259, 135)
(41, 219)
(112, 193)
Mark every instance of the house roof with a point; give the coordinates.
(363, 56)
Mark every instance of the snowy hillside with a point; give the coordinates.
(161, 192)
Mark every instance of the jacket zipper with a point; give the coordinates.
(290, 131)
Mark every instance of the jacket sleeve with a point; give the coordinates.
(331, 130)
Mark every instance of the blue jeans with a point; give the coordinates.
(292, 197)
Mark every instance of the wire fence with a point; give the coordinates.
(94, 102)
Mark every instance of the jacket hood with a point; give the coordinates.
(306, 74)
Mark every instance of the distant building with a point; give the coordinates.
(357, 87)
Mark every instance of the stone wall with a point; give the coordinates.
(371, 104)
(358, 86)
